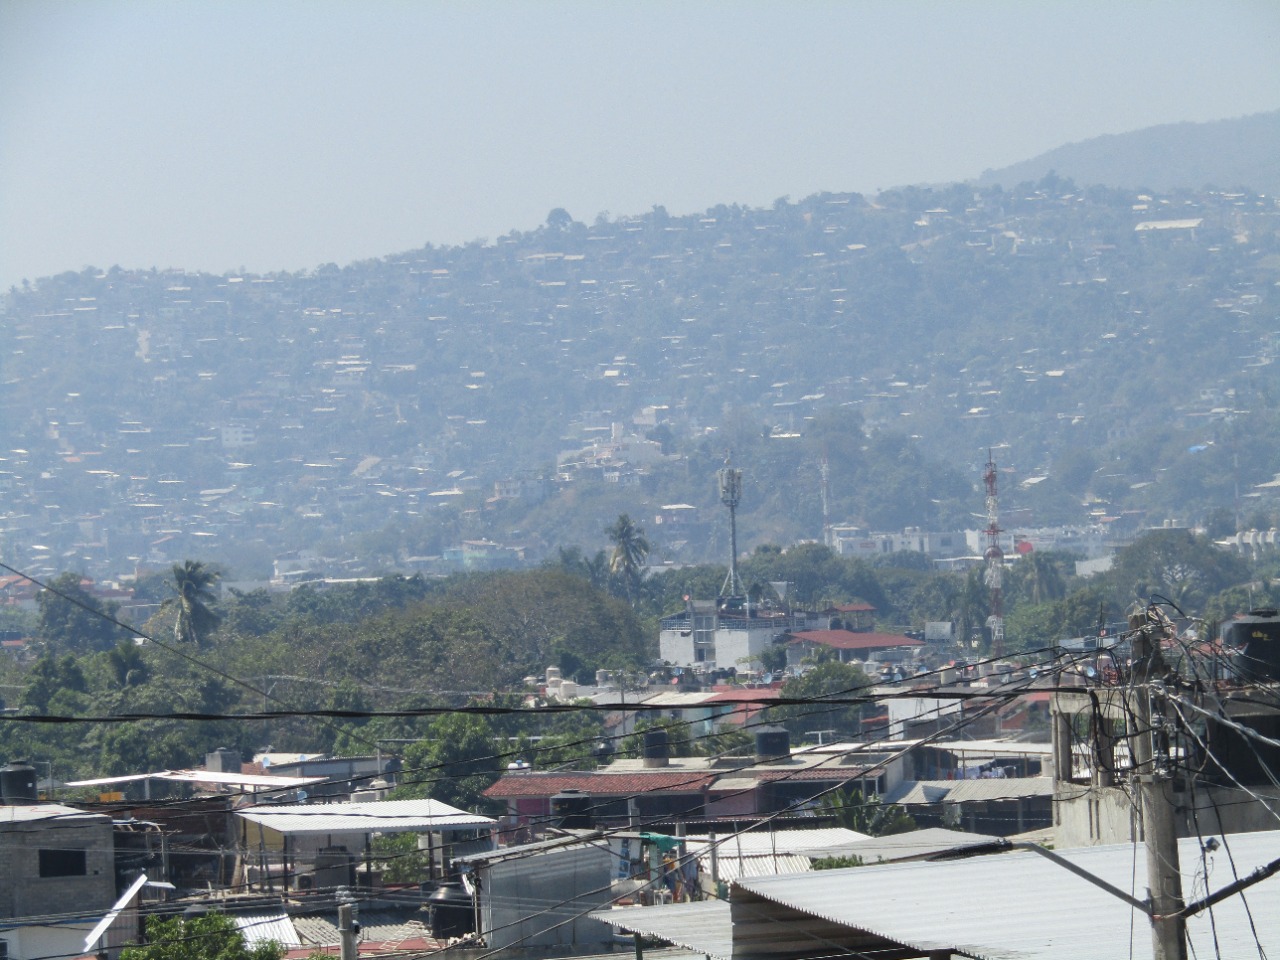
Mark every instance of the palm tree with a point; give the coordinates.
(630, 550)
(1043, 579)
(192, 585)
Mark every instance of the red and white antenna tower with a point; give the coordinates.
(994, 557)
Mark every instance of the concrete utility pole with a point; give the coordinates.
(1151, 765)
(347, 930)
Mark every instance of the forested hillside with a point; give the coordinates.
(1115, 348)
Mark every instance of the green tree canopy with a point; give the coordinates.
(830, 680)
(1177, 564)
(867, 815)
(72, 619)
(211, 937)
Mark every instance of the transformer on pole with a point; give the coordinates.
(994, 558)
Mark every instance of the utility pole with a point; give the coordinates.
(994, 557)
(347, 930)
(1151, 766)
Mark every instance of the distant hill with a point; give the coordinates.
(1226, 154)
(465, 407)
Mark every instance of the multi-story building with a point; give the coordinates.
(728, 633)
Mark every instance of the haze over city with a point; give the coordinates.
(278, 137)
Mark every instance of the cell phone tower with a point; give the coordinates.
(994, 557)
(730, 480)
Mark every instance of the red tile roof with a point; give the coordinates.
(848, 640)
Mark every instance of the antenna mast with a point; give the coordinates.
(730, 480)
(827, 538)
(994, 557)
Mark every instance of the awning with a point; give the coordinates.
(375, 816)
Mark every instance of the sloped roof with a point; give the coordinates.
(849, 640)
(49, 813)
(598, 784)
(267, 781)
(745, 694)
(258, 928)
(1031, 908)
(782, 841)
(703, 927)
(376, 816)
(997, 788)
(917, 844)
(960, 791)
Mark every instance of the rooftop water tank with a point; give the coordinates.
(773, 743)
(1253, 642)
(571, 809)
(657, 748)
(18, 784)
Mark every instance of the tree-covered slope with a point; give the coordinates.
(1228, 154)
(1121, 347)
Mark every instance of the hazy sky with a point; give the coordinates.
(281, 135)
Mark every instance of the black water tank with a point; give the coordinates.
(773, 743)
(1253, 643)
(452, 913)
(657, 749)
(571, 808)
(18, 784)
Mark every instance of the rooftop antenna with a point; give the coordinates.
(995, 560)
(730, 480)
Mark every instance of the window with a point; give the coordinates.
(62, 863)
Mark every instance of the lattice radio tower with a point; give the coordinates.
(730, 480)
(994, 557)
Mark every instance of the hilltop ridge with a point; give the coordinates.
(1239, 153)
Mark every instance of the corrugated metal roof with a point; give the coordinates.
(918, 844)
(731, 867)
(375, 816)
(782, 841)
(919, 791)
(599, 784)
(316, 931)
(552, 845)
(850, 640)
(375, 926)
(703, 927)
(676, 699)
(266, 927)
(996, 788)
(1020, 905)
(31, 813)
(268, 781)
(959, 791)
(997, 748)
(766, 854)
(265, 780)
